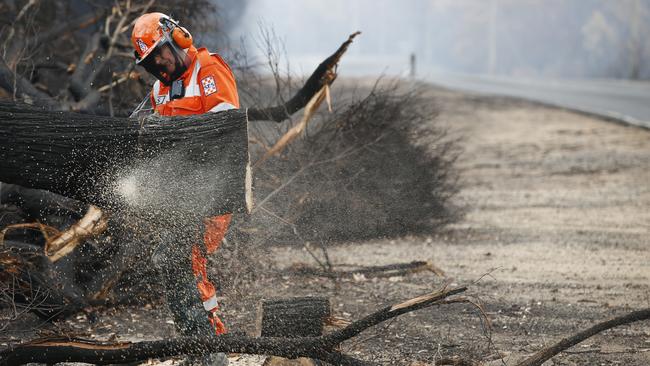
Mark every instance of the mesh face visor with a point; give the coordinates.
(166, 62)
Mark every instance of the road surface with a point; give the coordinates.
(627, 101)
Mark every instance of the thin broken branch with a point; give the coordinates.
(324, 75)
(396, 269)
(299, 128)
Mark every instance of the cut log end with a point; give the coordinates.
(293, 318)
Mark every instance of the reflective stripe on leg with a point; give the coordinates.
(211, 304)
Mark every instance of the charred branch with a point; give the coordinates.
(322, 348)
(396, 269)
(37, 204)
(547, 353)
(79, 82)
(324, 75)
(23, 89)
(64, 28)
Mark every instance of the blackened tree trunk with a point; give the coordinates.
(98, 159)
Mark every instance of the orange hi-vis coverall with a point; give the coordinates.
(209, 86)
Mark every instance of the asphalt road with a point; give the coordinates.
(627, 101)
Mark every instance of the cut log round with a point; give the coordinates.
(293, 318)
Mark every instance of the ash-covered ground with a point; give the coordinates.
(554, 239)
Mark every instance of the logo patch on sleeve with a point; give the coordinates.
(209, 86)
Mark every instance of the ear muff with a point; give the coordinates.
(182, 37)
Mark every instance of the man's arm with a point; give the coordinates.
(218, 86)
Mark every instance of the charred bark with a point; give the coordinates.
(83, 156)
(389, 270)
(296, 317)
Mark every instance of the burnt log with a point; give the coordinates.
(201, 160)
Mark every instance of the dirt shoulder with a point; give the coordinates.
(557, 212)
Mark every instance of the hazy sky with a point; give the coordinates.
(579, 38)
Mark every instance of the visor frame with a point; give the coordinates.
(181, 57)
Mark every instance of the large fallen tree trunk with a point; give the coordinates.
(102, 159)
(323, 348)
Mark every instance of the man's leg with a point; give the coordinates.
(172, 258)
(214, 232)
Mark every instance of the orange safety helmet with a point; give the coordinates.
(152, 33)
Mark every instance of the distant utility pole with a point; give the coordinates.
(492, 37)
(412, 66)
(636, 43)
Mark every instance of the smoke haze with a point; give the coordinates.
(537, 38)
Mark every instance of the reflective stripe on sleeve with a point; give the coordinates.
(193, 89)
(222, 107)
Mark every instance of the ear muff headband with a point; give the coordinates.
(178, 34)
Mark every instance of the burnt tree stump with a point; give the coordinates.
(292, 318)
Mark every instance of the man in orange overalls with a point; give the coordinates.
(190, 81)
